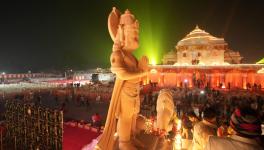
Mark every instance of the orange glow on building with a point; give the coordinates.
(231, 76)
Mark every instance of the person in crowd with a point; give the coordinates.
(229, 85)
(247, 132)
(222, 131)
(62, 107)
(82, 100)
(67, 99)
(205, 128)
(98, 99)
(178, 108)
(96, 120)
(259, 87)
(193, 119)
(39, 100)
(186, 127)
(87, 103)
(56, 99)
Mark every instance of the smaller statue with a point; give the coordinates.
(165, 111)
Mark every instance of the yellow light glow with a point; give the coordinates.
(178, 142)
(116, 134)
(223, 86)
(153, 62)
(178, 138)
(153, 71)
(179, 125)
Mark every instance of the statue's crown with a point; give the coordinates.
(128, 19)
(115, 19)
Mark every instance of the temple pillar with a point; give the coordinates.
(212, 80)
(216, 80)
(178, 80)
(190, 81)
(217, 76)
(222, 80)
(161, 79)
(244, 81)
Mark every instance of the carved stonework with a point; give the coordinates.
(201, 48)
(125, 102)
(165, 110)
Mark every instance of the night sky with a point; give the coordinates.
(57, 35)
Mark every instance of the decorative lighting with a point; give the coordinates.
(153, 71)
(29, 111)
(185, 80)
(148, 126)
(201, 64)
(178, 142)
(178, 138)
(202, 92)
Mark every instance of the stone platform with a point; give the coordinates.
(153, 142)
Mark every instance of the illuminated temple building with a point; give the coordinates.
(200, 58)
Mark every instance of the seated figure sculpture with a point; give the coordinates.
(165, 110)
(125, 101)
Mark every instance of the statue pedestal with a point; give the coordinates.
(152, 142)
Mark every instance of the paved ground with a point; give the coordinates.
(77, 111)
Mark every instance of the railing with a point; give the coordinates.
(30, 127)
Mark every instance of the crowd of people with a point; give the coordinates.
(232, 117)
(242, 132)
(209, 117)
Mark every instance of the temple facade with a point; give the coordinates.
(202, 60)
(201, 48)
(239, 76)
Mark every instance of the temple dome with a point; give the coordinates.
(200, 37)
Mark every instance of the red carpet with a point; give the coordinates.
(75, 138)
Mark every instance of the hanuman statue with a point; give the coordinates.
(125, 102)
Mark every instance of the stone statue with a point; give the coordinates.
(125, 101)
(165, 110)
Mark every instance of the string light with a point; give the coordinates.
(148, 126)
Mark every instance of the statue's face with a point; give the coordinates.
(131, 33)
